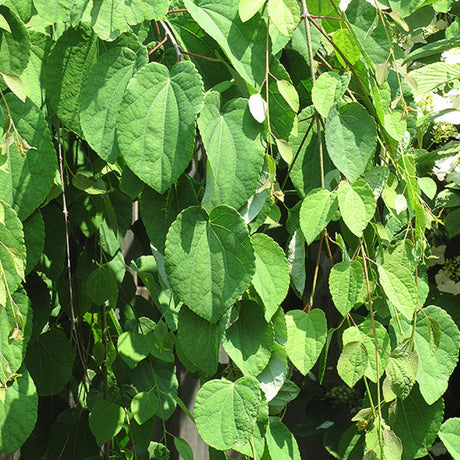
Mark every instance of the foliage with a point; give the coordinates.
(293, 171)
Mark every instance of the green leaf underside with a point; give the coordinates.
(101, 96)
(351, 139)
(234, 422)
(306, 336)
(209, 259)
(271, 278)
(243, 43)
(249, 341)
(352, 362)
(235, 151)
(155, 143)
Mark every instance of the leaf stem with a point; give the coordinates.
(171, 36)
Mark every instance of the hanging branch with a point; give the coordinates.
(171, 36)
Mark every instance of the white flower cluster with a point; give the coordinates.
(448, 278)
(448, 169)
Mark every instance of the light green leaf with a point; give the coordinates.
(133, 347)
(50, 361)
(288, 91)
(235, 421)
(67, 66)
(450, 436)
(296, 261)
(427, 186)
(12, 249)
(307, 334)
(399, 286)
(235, 151)
(394, 125)
(348, 45)
(198, 341)
(25, 180)
(401, 370)
(351, 139)
(144, 406)
(106, 420)
(271, 278)
(317, 210)
(328, 90)
(285, 150)
(435, 364)
(430, 76)
(243, 43)
(4, 24)
(15, 333)
(60, 10)
(18, 413)
(406, 7)
(101, 96)
(272, 378)
(281, 443)
(14, 45)
(284, 15)
(352, 363)
(249, 340)
(209, 259)
(16, 85)
(155, 143)
(416, 423)
(183, 448)
(346, 282)
(357, 205)
(248, 8)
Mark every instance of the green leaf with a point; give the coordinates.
(106, 420)
(427, 186)
(198, 341)
(34, 238)
(60, 10)
(406, 7)
(18, 412)
(15, 331)
(271, 278)
(401, 370)
(183, 448)
(399, 286)
(234, 423)
(249, 340)
(306, 170)
(133, 347)
(346, 282)
(351, 139)
(12, 249)
(67, 66)
(348, 45)
(328, 89)
(296, 262)
(243, 43)
(435, 365)
(450, 436)
(394, 125)
(248, 8)
(416, 423)
(159, 211)
(25, 180)
(284, 15)
(364, 334)
(317, 210)
(357, 205)
(306, 336)
(281, 443)
(287, 393)
(14, 45)
(102, 286)
(50, 360)
(144, 406)
(157, 145)
(352, 363)
(273, 377)
(430, 49)
(15, 85)
(430, 76)
(288, 91)
(101, 96)
(235, 151)
(209, 259)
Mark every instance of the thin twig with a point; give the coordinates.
(158, 46)
(199, 56)
(171, 36)
(183, 10)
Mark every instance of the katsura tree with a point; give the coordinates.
(264, 177)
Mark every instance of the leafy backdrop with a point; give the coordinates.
(295, 168)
